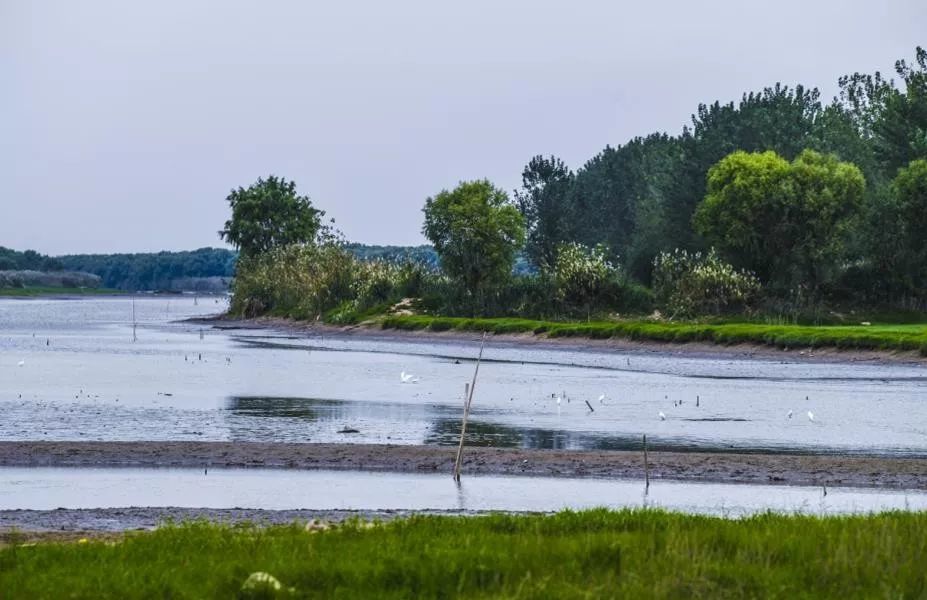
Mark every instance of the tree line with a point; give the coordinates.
(778, 203)
(819, 200)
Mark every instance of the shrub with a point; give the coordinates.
(306, 281)
(690, 284)
(584, 276)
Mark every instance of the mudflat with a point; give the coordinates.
(724, 467)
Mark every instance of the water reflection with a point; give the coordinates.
(325, 420)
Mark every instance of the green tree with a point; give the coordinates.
(476, 231)
(784, 221)
(893, 119)
(910, 192)
(269, 214)
(543, 202)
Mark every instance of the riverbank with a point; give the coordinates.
(600, 553)
(689, 349)
(782, 469)
(879, 337)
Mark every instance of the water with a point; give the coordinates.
(51, 488)
(84, 378)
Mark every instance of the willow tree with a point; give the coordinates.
(785, 221)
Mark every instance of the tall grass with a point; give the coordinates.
(896, 338)
(594, 554)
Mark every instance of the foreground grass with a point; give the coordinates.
(57, 291)
(589, 554)
(906, 337)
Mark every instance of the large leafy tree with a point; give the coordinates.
(476, 231)
(785, 221)
(544, 204)
(910, 192)
(269, 214)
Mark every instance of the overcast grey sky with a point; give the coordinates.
(124, 124)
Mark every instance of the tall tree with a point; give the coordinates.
(785, 221)
(476, 231)
(910, 191)
(269, 214)
(543, 202)
(893, 118)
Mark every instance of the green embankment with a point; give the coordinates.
(893, 337)
(57, 291)
(595, 554)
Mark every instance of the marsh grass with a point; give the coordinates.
(592, 554)
(893, 337)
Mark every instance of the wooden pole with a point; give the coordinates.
(466, 412)
(646, 467)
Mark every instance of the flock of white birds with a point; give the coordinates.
(410, 378)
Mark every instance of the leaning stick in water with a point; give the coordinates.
(466, 412)
(646, 468)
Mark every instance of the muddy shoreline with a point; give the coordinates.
(69, 524)
(529, 340)
(781, 469)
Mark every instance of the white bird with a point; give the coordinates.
(662, 416)
(21, 363)
(407, 378)
(602, 399)
(811, 416)
(559, 399)
(790, 414)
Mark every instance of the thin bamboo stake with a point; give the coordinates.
(134, 322)
(466, 412)
(646, 467)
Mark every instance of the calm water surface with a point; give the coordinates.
(51, 488)
(84, 378)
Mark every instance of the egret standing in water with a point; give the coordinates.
(811, 416)
(662, 416)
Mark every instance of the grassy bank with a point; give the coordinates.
(589, 554)
(893, 337)
(28, 292)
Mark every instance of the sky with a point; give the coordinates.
(124, 125)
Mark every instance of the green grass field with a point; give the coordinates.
(57, 291)
(892, 337)
(594, 554)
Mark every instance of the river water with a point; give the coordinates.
(71, 370)
(45, 489)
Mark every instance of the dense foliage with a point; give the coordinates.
(848, 239)
(156, 270)
(689, 284)
(30, 260)
(787, 222)
(477, 233)
(311, 281)
(270, 214)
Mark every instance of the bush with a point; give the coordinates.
(307, 281)
(694, 284)
(584, 276)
